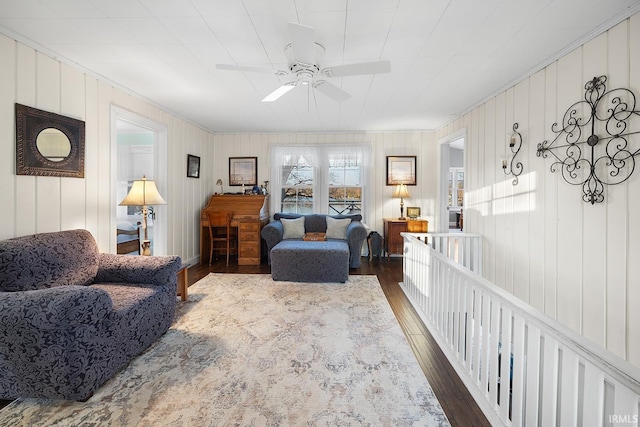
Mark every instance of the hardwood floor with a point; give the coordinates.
(456, 401)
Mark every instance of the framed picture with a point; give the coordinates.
(193, 166)
(413, 212)
(243, 171)
(401, 170)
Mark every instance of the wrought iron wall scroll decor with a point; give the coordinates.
(593, 148)
(508, 166)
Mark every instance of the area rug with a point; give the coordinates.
(247, 351)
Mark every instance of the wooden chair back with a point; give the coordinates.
(220, 234)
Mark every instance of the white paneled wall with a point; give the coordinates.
(380, 205)
(576, 262)
(41, 204)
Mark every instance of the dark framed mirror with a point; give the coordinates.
(48, 144)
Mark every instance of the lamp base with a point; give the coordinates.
(402, 218)
(146, 247)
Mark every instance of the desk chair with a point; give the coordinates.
(220, 234)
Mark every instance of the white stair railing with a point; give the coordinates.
(463, 248)
(522, 367)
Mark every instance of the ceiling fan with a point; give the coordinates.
(303, 58)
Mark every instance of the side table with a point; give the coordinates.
(393, 241)
(183, 282)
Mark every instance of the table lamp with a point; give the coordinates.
(143, 193)
(401, 191)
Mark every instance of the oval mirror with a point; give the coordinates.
(53, 144)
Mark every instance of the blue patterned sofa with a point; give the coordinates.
(71, 317)
(293, 259)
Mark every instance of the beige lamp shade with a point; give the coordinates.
(143, 193)
(401, 192)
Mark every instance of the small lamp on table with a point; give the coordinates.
(401, 192)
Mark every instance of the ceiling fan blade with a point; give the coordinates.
(248, 68)
(331, 90)
(279, 92)
(303, 43)
(375, 67)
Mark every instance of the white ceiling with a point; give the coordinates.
(446, 55)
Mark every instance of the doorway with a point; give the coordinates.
(138, 149)
(452, 179)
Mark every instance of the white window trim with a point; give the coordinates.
(321, 171)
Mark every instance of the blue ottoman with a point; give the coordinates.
(309, 261)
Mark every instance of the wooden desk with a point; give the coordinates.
(393, 241)
(249, 213)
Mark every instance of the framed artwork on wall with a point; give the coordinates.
(401, 170)
(243, 171)
(48, 144)
(193, 166)
(413, 212)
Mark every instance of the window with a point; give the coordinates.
(456, 188)
(345, 183)
(297, 177)
(319, 179)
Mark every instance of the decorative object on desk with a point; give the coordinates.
(48, 144)
(219, 182)
(401, 170)
(608, 158)
(243, 171)
(266, 188)
(508, 165)
(143, 193)
(193, 166)
(401, 192)
(413, 212)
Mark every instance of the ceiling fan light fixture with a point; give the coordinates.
(332, 91)
(279, 92)
(304, 58)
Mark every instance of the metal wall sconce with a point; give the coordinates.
(508, 165)
(593, 147)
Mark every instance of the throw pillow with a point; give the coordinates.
(337, 228)
(293, 228)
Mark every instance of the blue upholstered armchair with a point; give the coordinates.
(71, 317)
(356, 233)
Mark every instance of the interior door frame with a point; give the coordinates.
(442, 216)
(160, 170)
